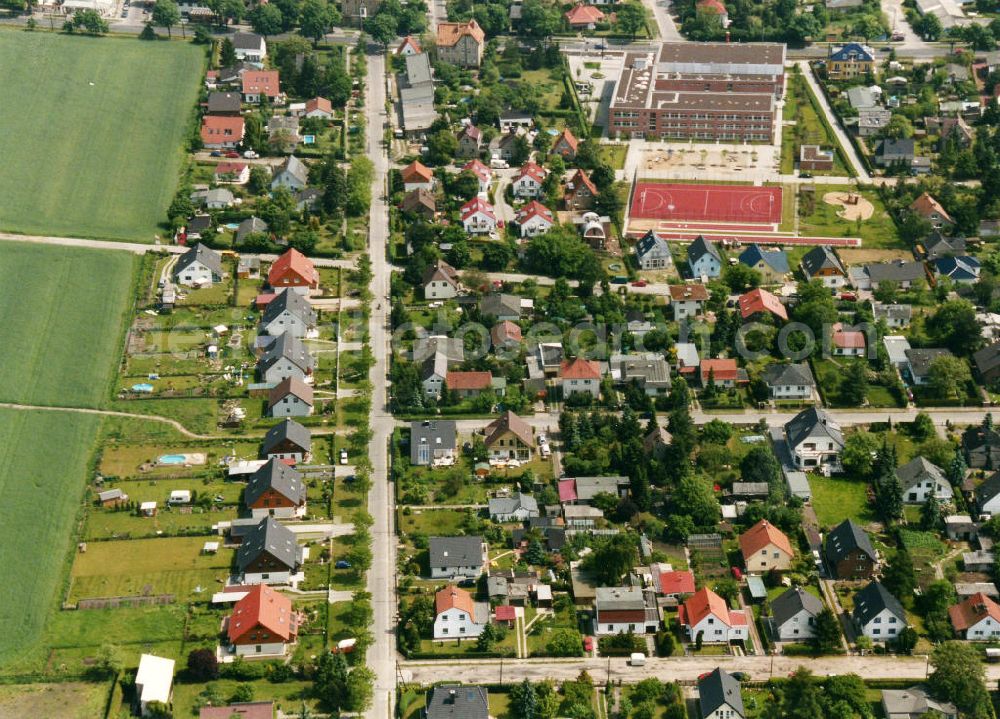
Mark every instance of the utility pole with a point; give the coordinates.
(501, 670)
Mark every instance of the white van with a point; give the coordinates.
(637, 659)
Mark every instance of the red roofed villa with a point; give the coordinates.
(468, 384)
(760, 300)
(580, 375)
(416, 175)
(708, 614)
(847, 343)
(674, 583)
(262, 623)
(260, 83)
(765, 548)
(219, 132)
(505, 333)
(583, 17)
(294, 271)
(977, 619)
(723, 372)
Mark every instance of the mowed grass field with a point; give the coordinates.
(43, 461)
(92, 132)
(62, 320)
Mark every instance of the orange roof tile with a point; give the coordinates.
(926, 205)
(221, 128)
(477, 204)
(262, 607)
(579, 368)
(713, 5)
(702, 603)
(761, 535)
(451, 597)
(261, 82)
(972, 611)
(319, 103)
(761, 301)
(533, 209)
(690, 293)
(468, 380)
(416, 171)
(847, 339)
(583, 15)
(676, 582)
(580, 178)
(532, 170)
(566, 136)
(449, 33)
(477, 168)
(293, 268)
(721, 370)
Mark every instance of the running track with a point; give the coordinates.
(764, 239)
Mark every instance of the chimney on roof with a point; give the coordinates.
(451, 696)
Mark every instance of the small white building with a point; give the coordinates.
(457, 616)
(154, 681)
(877, 614)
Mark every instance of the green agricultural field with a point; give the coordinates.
(43, 459)
(93, 133)
(66, 323)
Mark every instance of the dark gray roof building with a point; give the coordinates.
(278, 476)
(290, 347)
(249, 226)
(719, 690)
(288, 430)
(455, 551)
(821, 258)
(788, 374)
(203, 254)
(224, 103)
(701, 247)
(436, 434)
(272, 538)
(809, 422)
(872, 600)
(917, 471)
(791, 602)
(295, 303)
(452, 701)
(846, 538)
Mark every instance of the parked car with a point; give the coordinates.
(250, 155)
(343, 456)
(216, 153)
(342, 564)
(640, 283)
(233, 153)
(805, 175)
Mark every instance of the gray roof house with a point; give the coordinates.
(900, 272)
(872, 119)
(451, 557)
(501, 305)
(652, 373)
(848, 541)
(919, 361)
(275, 478)
(653, 252)
(291, 173)
(224, 103)
(793, 615)
(789, 381)
(416, 94)
(814, 438)
(890, 152)
(914, 703)
(704, 259)
(822, 260)
(287, 437)
(516, 508)
(719, 696)
(860, 97)
(453, 701)
(432, 442)
(895, 316)
(286, 357)
(249, 226)
(269, 545)
(200, 265)
(288, 313)
(938, 245)
(920, 478)
(215, 199)
(878, 614)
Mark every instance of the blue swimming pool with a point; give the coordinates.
(232, 226)
(171, 459)
(143, 387)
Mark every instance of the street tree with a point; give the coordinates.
(166, 14)
(266, 20)
(316, 19)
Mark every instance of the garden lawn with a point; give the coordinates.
(149, 566)
(835, 500)
(877, 232)
(93, 132)
(70, 700)
(43, 460)
(65, 323)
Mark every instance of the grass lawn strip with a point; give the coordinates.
(42, 492)
(116, 117)
(66, 322)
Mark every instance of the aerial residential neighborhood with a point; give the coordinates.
(508, 360)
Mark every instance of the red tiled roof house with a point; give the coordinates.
(293, 271)
(262, 623)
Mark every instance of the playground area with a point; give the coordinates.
(744, 204)
(852, 206)
(717, 158)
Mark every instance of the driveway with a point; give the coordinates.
(838, 131)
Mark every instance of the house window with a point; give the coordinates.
(258, 648)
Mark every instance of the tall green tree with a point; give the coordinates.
(166, 14)
(266, 20)
(958, 677)
(316, 19)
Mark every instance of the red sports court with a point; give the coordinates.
(696, 203)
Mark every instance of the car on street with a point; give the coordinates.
(805, 175)
(640, 283)
(215, 153)
(232, 153)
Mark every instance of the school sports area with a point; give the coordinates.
(678, 211)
